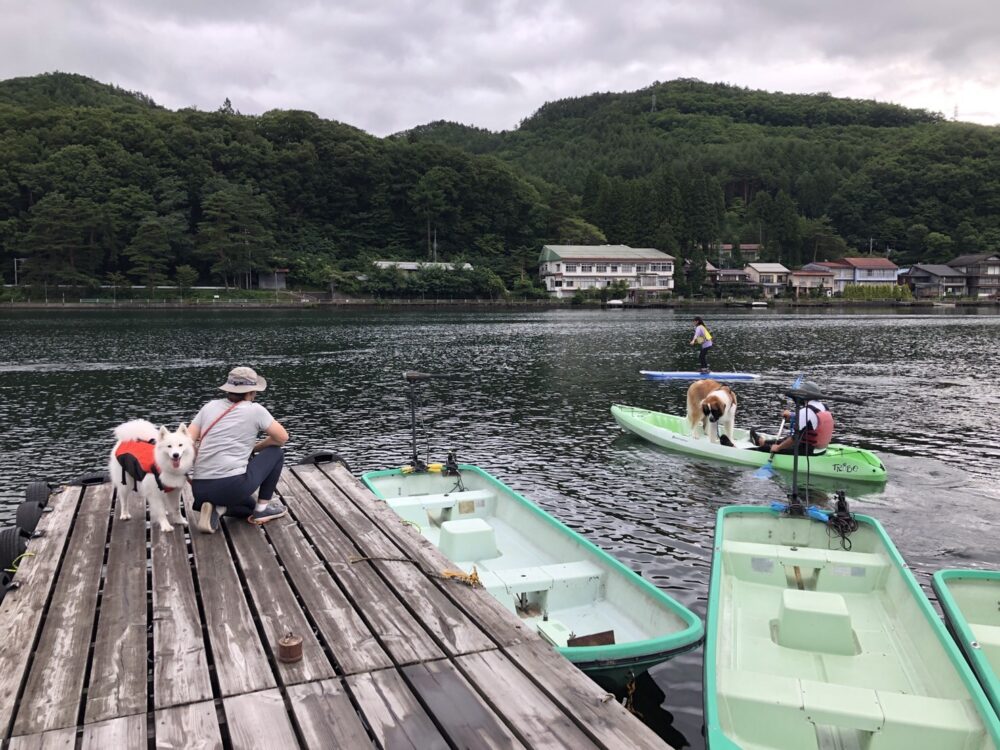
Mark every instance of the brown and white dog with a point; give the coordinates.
(711, 402)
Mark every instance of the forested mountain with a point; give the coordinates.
(810, 175)
(99, 184)
(102, 185)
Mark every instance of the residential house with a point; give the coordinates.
(409, 266)
(728, 282)
(843, 274)
(806, 283)
(771, 278)
(857, 271)
(982, 273)
(566, 268)
(932, 280)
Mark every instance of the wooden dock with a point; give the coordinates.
(121, 636)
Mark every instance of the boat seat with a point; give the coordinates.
(789, 712)
(839, 571)
(566, 583)
(415, 508)
(468, 540)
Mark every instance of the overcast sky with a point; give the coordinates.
(388, 65)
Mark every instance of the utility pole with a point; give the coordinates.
(435, 244)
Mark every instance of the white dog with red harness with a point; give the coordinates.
(151, 464)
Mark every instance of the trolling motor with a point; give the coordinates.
(841, 520)
(412, 377)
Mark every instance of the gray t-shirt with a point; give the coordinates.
(225, 451)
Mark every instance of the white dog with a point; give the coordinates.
(152, 464)
(708, 402)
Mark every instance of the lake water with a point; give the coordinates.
(527, 399)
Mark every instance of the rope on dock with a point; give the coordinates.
(472, 579)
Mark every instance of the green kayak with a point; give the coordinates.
(811, 646)
(671, 431)
(969, 600)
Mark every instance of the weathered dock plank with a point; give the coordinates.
(51, 699)
(604, 718)
(56, 739)
(259, 720)
(457, 633)
(240, 662)
(352, 644)
(542, 723)
(393, 713)
(119, 668)
(191, 727)
(23, 608)
(405, 639)
(180, 666)
(275, 604)
(461, 711)
(125, 732)
(326, 717)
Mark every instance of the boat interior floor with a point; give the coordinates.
(813, 656)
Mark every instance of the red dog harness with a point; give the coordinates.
(137, 459)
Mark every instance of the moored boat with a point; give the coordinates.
(810, 645)
(672, 431)
(969, 600)
(608, 621)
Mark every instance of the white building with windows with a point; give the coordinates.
(564, 269)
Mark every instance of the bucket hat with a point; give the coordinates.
(243, 380)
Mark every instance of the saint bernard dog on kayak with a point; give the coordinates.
(152, 465)
(711, 403)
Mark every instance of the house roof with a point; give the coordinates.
(405, 265)
(969, 260)
(767, 267)
(812, 273)
(936, 269)
(600, 252)
(831, 265)
(870, 263)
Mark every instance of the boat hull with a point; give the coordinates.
(968, 599)
(671, 431)
(542, 571)
(809, 645)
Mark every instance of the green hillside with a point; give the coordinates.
(851, 169)
(99, 184)
(67, 90)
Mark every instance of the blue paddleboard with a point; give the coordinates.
(654, 375)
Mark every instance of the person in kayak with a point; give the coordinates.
(815, 422)
(704, 337)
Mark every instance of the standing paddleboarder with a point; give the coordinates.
(704, 337)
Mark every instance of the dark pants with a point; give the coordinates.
(703, 357)
(236, 493)
(804, 448)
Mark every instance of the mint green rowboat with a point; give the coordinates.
(570, 591)
(970, 600)
(672, 431)
(809, 646)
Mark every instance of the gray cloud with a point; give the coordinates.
(389, 65)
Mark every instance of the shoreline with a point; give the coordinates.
(471, 304)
